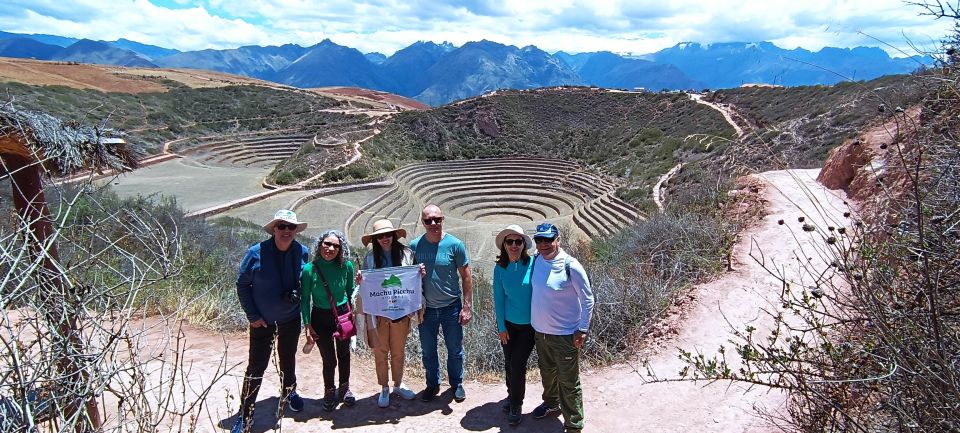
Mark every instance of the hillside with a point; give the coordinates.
(635, 137)
(797, 126)
(152, 109)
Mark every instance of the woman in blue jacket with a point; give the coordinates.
(511, 299)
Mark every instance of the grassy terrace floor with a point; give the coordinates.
(195, 185)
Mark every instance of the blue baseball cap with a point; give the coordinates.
(546, 230)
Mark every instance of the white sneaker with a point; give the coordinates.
(404, 392)
(384, 400)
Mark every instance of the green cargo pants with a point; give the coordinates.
(559, 362)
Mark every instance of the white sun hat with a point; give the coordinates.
(287, 216)
(514, 229)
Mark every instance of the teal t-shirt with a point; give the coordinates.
(441, 285)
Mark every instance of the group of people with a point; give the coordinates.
(542, 301)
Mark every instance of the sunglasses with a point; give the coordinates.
(331, 245)
(432, 221)
(513, 242)
(285, 226)
(383, 236)
(543, 240)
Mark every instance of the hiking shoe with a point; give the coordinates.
(459, 394)
(329, 399)
(514, 416)
(240, 426)
(430, 393)
(404, 392)
(296, 402)
(384, 399)
(543, 410)
(344, 395)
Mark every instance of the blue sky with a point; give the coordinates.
(638, 27)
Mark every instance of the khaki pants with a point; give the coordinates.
(393, 340)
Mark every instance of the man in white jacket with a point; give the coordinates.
(560, 315)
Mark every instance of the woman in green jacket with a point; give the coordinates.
(329, 275)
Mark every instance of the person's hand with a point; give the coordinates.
(358, 278)
(311, 334)
(504, 338)
(259, 323)
(578, 338)
(423, 270)
(465, 315)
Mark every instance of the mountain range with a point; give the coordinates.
(440, 73)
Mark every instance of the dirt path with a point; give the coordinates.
(727, 113)
(658, 188)
(616, 398)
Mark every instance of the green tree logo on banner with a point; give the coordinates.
(393, 281)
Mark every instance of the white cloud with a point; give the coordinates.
(572, 25)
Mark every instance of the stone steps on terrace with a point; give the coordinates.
(577, 194)
(600, 210)
(524, 214)
(483, 165)
(623, 210)
(266, 158)
(244, 153)
(379, 204)
(567, 171)
(364, 221)
(499, 198)
(356, 222)
(591, 184)
(586, 220)
(212, 146)
(424, 173)
(475, 208)
(573, 199)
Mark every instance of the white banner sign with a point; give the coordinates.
(391, 292)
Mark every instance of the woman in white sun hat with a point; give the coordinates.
(511, 301)
(389, 336)
(268, 285)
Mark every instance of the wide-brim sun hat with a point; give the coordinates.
(514, 229)
(287, 216)
(382, 226)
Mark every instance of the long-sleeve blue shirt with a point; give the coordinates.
(265, 274)
(512, 293)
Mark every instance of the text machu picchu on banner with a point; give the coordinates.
(391, 292)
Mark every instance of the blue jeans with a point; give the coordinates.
(434, 319)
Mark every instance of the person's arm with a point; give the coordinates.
(462, 260)
(349, 289)
(466, 313)
(307, 280)
(581, 284)
(245, 278)
(499, 304)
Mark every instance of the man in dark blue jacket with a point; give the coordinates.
(268, 286)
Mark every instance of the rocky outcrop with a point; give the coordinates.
(859, 166)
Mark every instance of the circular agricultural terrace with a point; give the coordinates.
(479, 197)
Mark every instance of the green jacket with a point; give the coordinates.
(340, 279)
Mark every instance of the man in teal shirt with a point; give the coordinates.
(448, 295)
